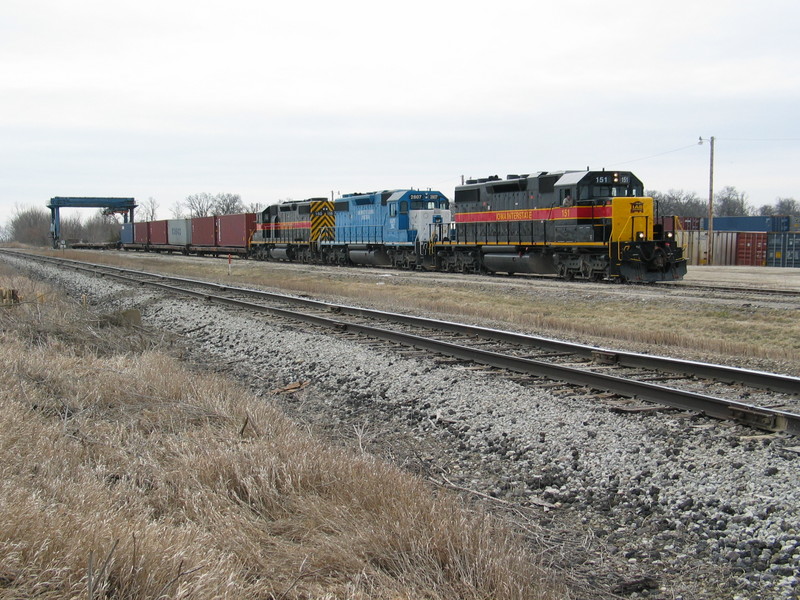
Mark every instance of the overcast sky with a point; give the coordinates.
(278, 100)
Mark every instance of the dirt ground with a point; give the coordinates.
(767, 277)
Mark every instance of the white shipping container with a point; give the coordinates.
(695, 247)
(179, 232)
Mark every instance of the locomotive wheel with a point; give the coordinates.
(585, 268)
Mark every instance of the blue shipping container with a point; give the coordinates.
(126, 233)
(783, 250)
(768, 224)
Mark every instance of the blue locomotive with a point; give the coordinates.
(387, 228)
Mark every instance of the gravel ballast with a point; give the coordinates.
(668, 504)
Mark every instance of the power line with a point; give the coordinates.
(759, 139)
(653, 155)
(693, 145)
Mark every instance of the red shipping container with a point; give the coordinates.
(667, 223)
(751, 249)
(235, 231)
(689, 223)
(158, 232)
(141, 233)
(204, 231)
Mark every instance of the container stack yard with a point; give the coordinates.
(772, 241)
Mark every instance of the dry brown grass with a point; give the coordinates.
(126, 476)
(677, 326)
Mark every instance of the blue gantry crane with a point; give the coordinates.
(123, 206)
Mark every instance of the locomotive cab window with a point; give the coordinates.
(423, 205)
(403, 207)
(393, 209)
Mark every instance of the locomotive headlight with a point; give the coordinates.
(640, 235)
(670, 235)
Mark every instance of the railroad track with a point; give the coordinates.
(625, 374)
(734, 290)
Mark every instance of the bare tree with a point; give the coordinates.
(729, 202)
(5, 236)
(787, 206)
(72, 228)
(767, 210)
(228, 204)
(177, 211)
(101, 227)
(199, 205)
(148, 209)
(30, 226)
(254, 207)
(680, 203)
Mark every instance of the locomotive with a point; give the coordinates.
(593, 225)
(575, 224)
(388, 228)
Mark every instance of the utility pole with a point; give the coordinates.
(710, 259)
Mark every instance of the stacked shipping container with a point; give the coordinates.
(744, 241)
(226, 233)
(783, 250)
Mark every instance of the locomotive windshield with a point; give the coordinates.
(602, 191)
(427, 200)
(423, 205)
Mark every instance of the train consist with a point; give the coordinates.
(574, 224)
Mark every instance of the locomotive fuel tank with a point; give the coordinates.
(376, 257)
(527, 262)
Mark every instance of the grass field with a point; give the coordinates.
(127, 475)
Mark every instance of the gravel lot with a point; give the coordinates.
(649, 505)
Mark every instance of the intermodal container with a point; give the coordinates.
(158, 233)
(141, 233)
(179, 232)
(667, 223)
(768, 224)
(783, 249)
(751, 249)
(689, 223)
(126, 233)
(695, 247)
(204, 231)
(235, 231)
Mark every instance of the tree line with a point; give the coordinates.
(32, 225)
(200, 205)
(728, 202)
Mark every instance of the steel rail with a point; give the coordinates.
(731, 289)
(747, 414)
(772, 381)
(762, 418)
